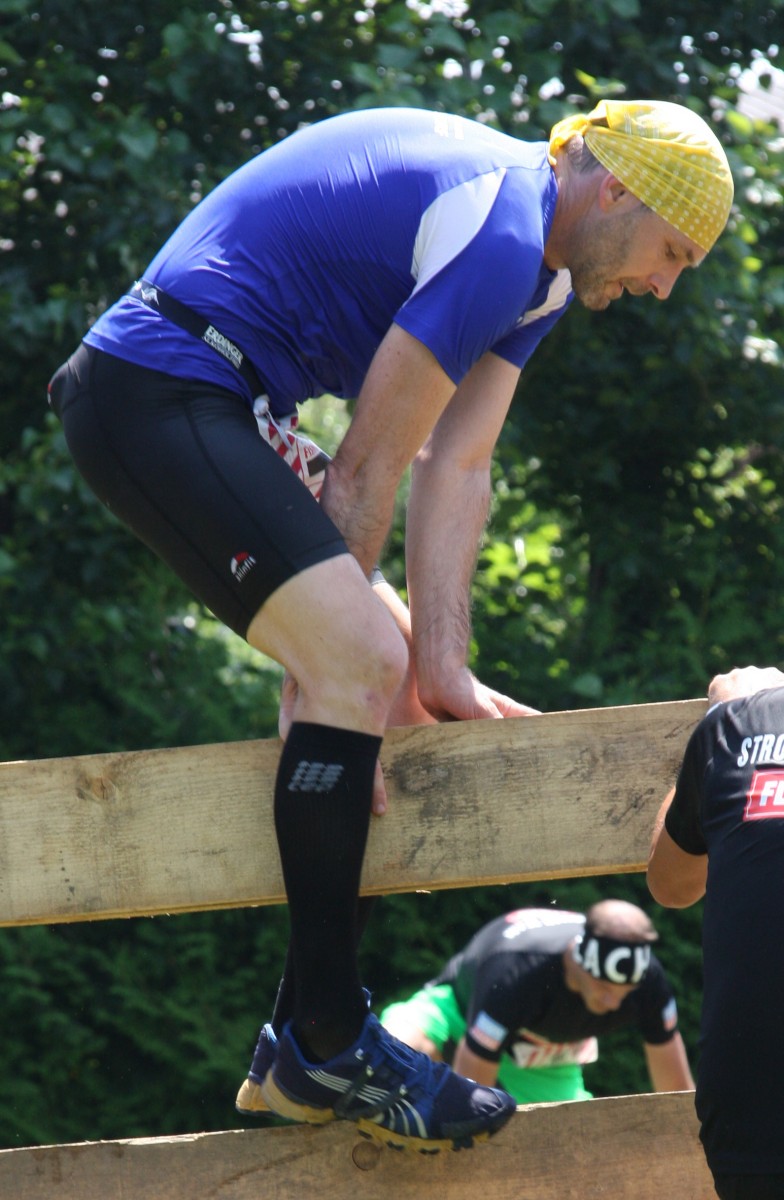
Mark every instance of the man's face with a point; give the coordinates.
(634, 251)
(598, 995)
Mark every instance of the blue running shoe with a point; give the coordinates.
(394, 1094)
(249, 1098)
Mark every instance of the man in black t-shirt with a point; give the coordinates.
(720, 833)
(524, 1003)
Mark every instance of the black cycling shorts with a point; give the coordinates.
(182, 463)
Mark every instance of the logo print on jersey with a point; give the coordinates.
(315, 776)
(242, 564)
(765, 797)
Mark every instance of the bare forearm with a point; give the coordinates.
(668, 1066)
(473, 1067)
(363, 514)
(403, 395)
(448, 507)
(675, 879)
(446, 518)
(407, 709)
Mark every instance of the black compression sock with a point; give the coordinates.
(322, 814)
(284, 1000)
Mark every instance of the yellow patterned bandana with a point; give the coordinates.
(666, 155)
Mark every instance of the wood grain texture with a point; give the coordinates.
(470, 803)
(635, 1147)
(476, 802)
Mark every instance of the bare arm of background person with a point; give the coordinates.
(473, 1067)
(677, 879)
(668, 1066)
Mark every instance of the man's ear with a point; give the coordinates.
(614, 196)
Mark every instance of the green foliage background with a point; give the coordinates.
(637, 537)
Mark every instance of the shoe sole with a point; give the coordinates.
(418, 1145)
(279, 1103)
(250, 1100)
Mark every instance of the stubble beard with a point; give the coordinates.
(598, 267)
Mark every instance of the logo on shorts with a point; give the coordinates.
(242, 564)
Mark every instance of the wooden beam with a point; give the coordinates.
(638, 1147)
(476, 802)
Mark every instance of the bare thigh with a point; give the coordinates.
(338, 640)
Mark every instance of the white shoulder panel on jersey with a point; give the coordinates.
(557, 295)
(451, 222)
(526, 919)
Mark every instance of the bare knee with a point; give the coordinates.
(340, 643)
(366, 673)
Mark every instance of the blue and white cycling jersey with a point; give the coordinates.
(307, 254)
